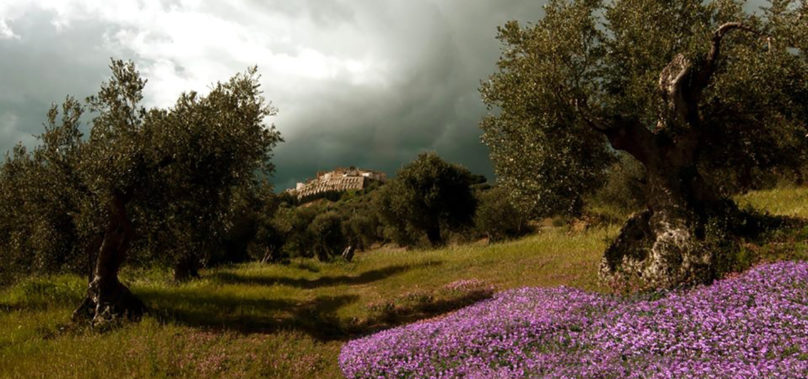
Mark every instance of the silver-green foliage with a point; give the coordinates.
(176, 168)
(601, 60)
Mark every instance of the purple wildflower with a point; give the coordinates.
(752, 325)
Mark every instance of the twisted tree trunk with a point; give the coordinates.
(665, 245)
(107, 298)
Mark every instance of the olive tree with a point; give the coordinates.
(496, 216)
(427, 195)
(703, 94)
(327, 237)
(161, 180)
(40, 198)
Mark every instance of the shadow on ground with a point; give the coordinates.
(326, 281)
(10, 307)
(397, 312)
(776, 238)
(316, 317)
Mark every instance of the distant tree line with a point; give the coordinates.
(429, 203)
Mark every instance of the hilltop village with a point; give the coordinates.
(338, 180)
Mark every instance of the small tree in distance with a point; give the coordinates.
(427, 195)
(327, 236)
(497, 218)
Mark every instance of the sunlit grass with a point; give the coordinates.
(276, 320)
(789, 201)
(290, 320)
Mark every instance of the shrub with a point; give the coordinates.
(326, 234)
(496, 216)
(360, 230)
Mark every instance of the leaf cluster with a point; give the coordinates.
(427, 196)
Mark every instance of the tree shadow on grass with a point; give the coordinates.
(775, 238)
(305, 266)
(10, 307)
(394, 313)
(315, 317)
(326, 281)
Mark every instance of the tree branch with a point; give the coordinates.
(593, 122)
(708, 69)
(627, 134)
(681, 82)
(631, 136)
(671, 83)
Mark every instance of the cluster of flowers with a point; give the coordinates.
(752, 325)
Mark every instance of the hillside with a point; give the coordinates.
(292, 320)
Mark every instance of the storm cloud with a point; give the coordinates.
(364, 83)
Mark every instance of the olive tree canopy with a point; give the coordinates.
(703, 94)
(428, 196)
(159, 179)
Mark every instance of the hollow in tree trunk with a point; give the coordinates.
(107, 298)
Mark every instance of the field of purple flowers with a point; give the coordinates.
(751, 325)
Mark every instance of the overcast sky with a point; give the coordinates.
(366, 83)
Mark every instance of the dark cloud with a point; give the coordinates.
(442, 54)
(42, 67)
(420, 65)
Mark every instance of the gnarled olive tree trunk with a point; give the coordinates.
(664, 246)
(107, 298)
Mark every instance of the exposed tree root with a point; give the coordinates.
(108, 304)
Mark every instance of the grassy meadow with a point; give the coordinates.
(291, 320)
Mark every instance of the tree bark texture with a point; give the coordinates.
(107, 298)
(664, 246)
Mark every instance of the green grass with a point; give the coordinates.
(276, 320)
(290, 320)
(789, 201)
